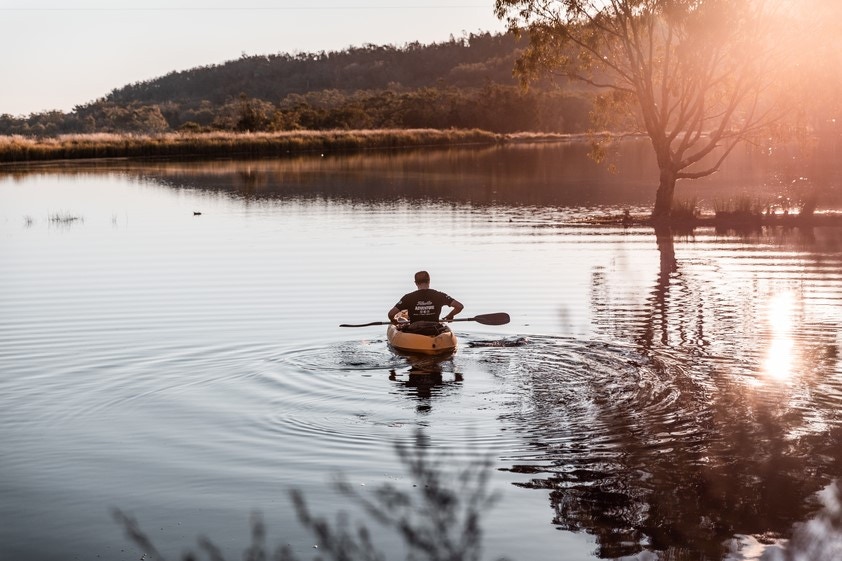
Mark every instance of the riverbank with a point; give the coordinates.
(94, 146)
(19, 149)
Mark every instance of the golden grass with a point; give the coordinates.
(103, 145)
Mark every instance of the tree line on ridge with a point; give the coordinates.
(465, 82)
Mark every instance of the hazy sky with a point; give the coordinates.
(60, 53)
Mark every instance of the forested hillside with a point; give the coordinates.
(462, 83)
(467, 62)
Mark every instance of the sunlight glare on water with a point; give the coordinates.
(781, 359)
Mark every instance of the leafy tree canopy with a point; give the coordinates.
(697, 76)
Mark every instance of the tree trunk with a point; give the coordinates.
(663, 198)
(666, 249)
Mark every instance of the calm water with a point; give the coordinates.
(654, 397)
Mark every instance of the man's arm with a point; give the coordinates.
(392, 313)
(457, 307)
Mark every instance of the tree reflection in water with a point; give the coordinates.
(720, 423)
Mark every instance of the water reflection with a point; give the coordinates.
(721, 419)
(523, 175)
(426, 378)
(698, 400)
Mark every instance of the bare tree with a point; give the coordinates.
(697, 76)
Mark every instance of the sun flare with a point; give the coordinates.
(780, 357)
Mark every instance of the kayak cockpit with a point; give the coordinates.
(428, 337)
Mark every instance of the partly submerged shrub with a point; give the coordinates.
(685, 209)
(741, 209)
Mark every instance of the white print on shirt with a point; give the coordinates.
(425, 308)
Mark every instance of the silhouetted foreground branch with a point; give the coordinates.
(439, 519)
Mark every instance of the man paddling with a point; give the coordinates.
(425, 304)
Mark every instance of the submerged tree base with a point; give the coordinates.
(728, 221)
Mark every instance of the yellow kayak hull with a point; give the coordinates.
(416, 343)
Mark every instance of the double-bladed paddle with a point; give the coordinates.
(499, 318)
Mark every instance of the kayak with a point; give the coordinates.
(419, 343)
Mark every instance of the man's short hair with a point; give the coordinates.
(422, 277)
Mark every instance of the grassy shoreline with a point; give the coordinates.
(19, 149)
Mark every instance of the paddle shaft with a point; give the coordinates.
(486, 319)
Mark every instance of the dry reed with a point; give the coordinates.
(685, 209)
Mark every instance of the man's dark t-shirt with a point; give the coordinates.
(424, 304)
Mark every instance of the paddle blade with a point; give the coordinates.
(499, 318)
(364, 324)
